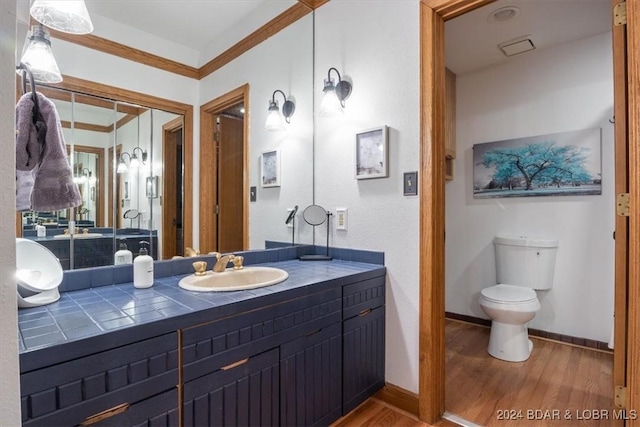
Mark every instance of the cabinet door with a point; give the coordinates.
(311, 378)
(245, 393)
(363, 360)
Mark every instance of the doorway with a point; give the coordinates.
(173, 189)
(432, 322)
(224, 172)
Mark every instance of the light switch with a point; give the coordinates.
(341, 218)
(252, 194)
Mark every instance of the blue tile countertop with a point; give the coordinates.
(94, 319)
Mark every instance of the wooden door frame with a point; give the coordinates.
(208, 153)
(431, 386)
(100, 153)
(633, 125)
(168, 129)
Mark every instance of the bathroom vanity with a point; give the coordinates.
(301, 352)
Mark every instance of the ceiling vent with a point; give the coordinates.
(517, 47)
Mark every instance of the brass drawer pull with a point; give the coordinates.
(108, 413)
(365, 312)
(234, 364)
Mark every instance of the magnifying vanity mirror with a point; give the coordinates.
(155, 201)
(315, 215)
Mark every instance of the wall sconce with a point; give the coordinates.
(38, 56)
(274, 119)
(135, 162)
(334, 95)
(69, 16)
(87, 176)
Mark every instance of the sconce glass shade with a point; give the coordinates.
(135, 163)
(39, 57)
(274, 119)
(69, 16)
(330, 105)
(122, 167)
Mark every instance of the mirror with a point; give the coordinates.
(116, 128)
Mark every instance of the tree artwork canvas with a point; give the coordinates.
(560, 164)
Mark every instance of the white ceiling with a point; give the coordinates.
(191, 23)
(472, 41)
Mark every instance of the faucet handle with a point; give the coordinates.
(216, 254)
(237, 262)
(200, 267)
(190, 252)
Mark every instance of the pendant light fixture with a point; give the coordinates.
(39, 57)
(332, 103)
(274, 119)
(68, 16)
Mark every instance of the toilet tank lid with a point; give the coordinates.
(535, 242)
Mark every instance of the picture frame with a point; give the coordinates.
(372, 153)
(151, 187)
(270, 168)
(126, 193)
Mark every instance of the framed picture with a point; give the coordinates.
(270, 168)
(558, 164)
(152, 187)
(126, 195)
(371, 153)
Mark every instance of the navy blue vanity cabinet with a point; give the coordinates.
(311, 378)
(245, 393)
(121, 383)
(363, 341)
(231, 366)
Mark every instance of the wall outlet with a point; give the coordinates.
(341, 218)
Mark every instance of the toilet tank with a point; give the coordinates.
(525, 261)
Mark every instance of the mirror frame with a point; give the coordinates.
(116, 94)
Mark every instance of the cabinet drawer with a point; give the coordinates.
(70, 392)
(311, 378)
(362, 296)
(156, 411)
(244, 395)
(206, 348)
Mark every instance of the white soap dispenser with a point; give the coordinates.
(143, 268)
(41, 230)
(123, 255)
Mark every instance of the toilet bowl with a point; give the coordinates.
(523, 265)
(510, 309)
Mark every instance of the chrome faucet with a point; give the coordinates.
(223, 260)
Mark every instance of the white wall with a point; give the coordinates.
(569, 87)
(377, 47)
(9, 369)
(283, 62)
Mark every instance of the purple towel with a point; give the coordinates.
(53, 186)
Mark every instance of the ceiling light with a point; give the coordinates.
(39, 57)
(68, 16)
(334, 95)
(503, 14)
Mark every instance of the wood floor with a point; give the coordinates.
(560, 385)
(567, 385)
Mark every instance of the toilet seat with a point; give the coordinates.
(509, 294)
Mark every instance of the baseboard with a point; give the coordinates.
(399, 397)
(552, 336)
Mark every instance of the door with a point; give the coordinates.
(172, 184)
(222, 148)
(230, 172)
(433, 14)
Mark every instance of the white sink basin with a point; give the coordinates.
(234, 280)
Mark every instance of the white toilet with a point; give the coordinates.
(523, 265)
